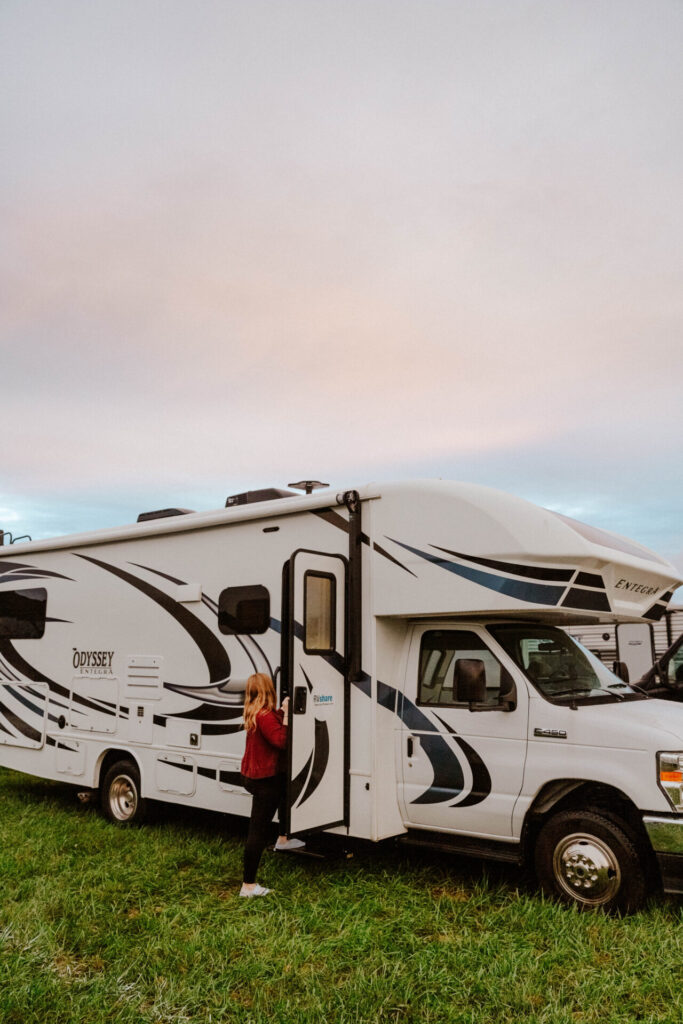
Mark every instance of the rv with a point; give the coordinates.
(633, 649)
(417, 629)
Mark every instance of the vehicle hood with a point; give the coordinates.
(638, 725)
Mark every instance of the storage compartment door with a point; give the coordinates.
(23, 711)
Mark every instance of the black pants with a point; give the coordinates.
(268, 795)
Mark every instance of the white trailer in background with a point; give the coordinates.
(415, 627)
(636, 645)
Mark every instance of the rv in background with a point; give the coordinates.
(417, 629)
(637, 646)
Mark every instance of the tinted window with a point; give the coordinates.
(319, 613)
(22, 613)
(675, 668)
(244, 610)
(439, 651)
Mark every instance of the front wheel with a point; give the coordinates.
(120, 794)
(592, 861)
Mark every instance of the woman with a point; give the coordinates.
(263, 773)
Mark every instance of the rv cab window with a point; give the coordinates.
(320, 612)
(22, 613)
(244, 610)
(439, 652)
(558, 666)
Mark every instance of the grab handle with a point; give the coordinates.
(300, 695)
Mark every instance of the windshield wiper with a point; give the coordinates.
(574, 692)
(631, 686)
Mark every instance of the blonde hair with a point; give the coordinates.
(259, 696)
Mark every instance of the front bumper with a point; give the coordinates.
(666, 836)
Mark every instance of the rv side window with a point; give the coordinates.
(320, 612)
(22, 613)
(439, 651)
(244, 610)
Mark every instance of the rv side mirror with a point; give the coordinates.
(620, 668)
(507, 697)
(469, 681)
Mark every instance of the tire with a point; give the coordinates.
(592, 861)
(120, 794)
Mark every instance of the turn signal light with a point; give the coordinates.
(671, 776)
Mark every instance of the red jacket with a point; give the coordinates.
(264, 754)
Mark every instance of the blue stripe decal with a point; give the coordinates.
(448, 779)
(534, 593)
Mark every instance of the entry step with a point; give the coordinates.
(320, 847)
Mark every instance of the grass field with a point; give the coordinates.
(144, 925)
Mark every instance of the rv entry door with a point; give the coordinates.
(318, 691)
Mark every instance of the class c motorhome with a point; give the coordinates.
(416, 629)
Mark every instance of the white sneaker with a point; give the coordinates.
(258, 890)
(289, 844)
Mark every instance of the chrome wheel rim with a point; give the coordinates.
(123, 797)
(586, 869)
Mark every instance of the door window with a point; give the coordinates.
(319, 612)
(439, 651)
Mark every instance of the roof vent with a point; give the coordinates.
(163, 513)
(265, 494)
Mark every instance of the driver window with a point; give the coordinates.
(439, 651)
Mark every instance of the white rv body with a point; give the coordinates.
(132, 663)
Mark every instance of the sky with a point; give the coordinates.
(246, 242)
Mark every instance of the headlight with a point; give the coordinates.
(670, 768)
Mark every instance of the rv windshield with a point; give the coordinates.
(559, 667)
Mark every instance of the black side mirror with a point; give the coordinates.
(507, 696)
(469, 681)
(620, 668)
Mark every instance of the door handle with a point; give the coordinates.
(410, 746)
(300, 694)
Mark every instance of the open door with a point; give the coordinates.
(318, 688)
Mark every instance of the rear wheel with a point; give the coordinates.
(120, 794)
(592, 861)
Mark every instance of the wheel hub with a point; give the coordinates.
(123, 798)
(587, 869)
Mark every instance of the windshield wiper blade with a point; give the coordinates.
(633, 687)
(573, 692)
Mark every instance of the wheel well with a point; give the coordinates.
(109, 758)
(570, 794)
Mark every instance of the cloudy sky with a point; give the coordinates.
(245, 242)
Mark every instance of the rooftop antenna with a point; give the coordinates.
(308, 485)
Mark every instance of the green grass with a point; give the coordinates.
(144, 925)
